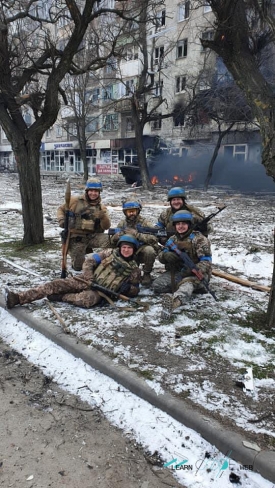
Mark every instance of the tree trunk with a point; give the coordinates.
(27, 159)
(271, 303)
(145, 178)
(214, 156)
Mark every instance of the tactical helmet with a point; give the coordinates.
(129, 205)
(93, 184)
(128, 239)
(176, 192)
(182, 216)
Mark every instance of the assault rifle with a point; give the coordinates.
(65, 237)
(111, 293)
(189, 264)
(143, 230)
(200, 226)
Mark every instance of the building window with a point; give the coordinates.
(94, 96)
(182, 48)
(160, 19)
(130, 53)
(206, 8)
(236, 151)
(156, 124)
(183, 10)
(111, 64)
(93, 125)
(129, 87)
(159, 55)
(207, 36)
(180, 83)
(110, 122)
(159, 88)
(129, 124)
(108, 93)
(58, 131)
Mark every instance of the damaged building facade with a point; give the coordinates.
(178, 67)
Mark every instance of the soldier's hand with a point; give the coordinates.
(61, 223)
(101, 214)
(131, 232)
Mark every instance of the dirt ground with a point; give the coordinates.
(50, 438)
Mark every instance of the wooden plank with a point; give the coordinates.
(240, 281)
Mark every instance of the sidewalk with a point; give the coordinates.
(224, 439)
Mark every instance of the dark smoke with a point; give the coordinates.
(238, 175)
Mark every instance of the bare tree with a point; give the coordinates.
(39, 42)
(245, 40)
(220, 108)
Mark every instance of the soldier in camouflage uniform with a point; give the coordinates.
(148, 244)
(178, 278)
(114, 269)
(88, 218)
(177, 198)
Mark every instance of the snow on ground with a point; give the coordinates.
(150, 427)
(207, 346)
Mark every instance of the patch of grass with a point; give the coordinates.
(87, 342)
(17, 248)
(256, 320)
(148, 375)
(247, 338)
(260, 372)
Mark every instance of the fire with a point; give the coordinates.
(154, 180)
(174, 179)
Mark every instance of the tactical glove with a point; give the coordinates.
(125, 287)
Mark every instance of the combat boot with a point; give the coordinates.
(167, 307)
(12, 298)
(146, 279)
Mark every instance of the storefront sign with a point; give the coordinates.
(107, 169)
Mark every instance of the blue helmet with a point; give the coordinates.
(93, 184)
(176, 192)
(130, 205)
(128, 239)
(182, 216)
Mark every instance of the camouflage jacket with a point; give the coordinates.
(196, 246)
(84, 215)
(164, 221)
(109, 269)
(126, 226)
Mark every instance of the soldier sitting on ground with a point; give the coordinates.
(148, 244)
(178, 278)
(114, 269)
(88, 218)
(177, 198)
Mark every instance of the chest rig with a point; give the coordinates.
(113, 271)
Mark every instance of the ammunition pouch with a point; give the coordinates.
(88, 225)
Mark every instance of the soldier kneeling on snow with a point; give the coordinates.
(178, 277)
(114, 269)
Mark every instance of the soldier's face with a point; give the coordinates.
(93, 194)
(131, 213)
(181, 227)
(176, 203)
(126, 250)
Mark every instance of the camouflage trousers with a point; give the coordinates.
(167, 283)
(70, 291)
(81, 245)
(146, 255)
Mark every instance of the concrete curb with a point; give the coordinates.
(225, 440)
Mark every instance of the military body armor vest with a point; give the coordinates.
(113, 271)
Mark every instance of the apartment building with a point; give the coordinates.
(178, 65)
